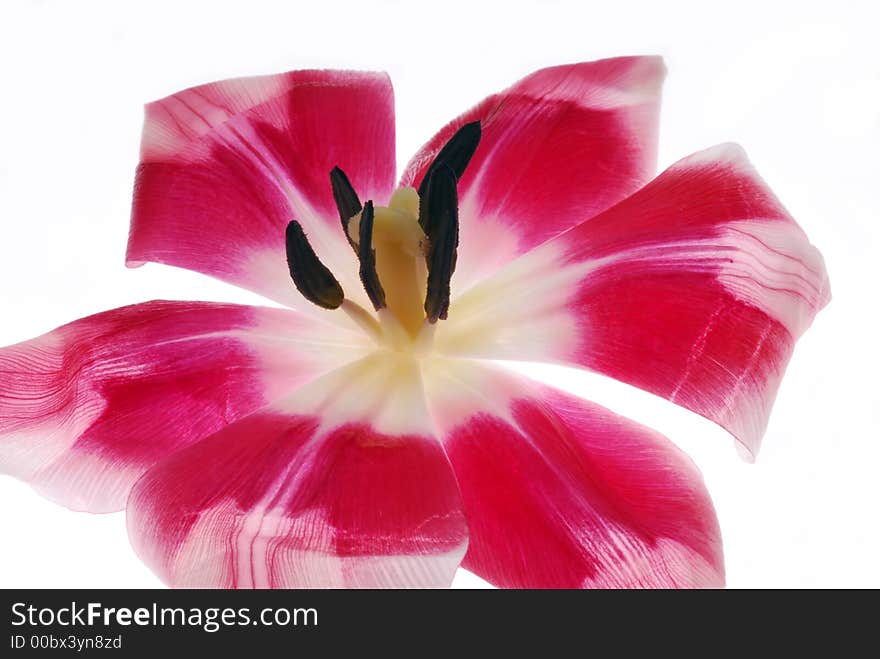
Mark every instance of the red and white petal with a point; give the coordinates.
(557, 147)
(562, 493)
(225, 167)
(88, 407)
(695, 288)
(340, 485)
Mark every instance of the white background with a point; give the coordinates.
(798, 84)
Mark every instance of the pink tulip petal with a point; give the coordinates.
(695, 288)
(225, 167)
(561, 493)
(557, 147)
(88, 407)
(339, 485)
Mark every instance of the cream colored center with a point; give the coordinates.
(400, 262)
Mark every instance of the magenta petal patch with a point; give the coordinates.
(562, 493)
(339, 485)
(695, 288)
(270, 502)
(225, 166)
(88, 407)
(557, 147)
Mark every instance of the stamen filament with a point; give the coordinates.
(364, 319)
(425, 338)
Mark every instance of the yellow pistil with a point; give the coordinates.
(399, 242)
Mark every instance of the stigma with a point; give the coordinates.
(406, 250)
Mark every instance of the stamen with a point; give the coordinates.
(438, 215)
(455, 154)
(347, 202)
(391, 242)
(367, 256)
(312, 278)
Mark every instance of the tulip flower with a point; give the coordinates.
(365, 434)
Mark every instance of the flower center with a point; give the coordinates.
(407, 250)
(399, 245)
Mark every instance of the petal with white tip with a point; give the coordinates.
(88, 407)
(557, 147)
(341, 484)
(226, 166)
(695, 288)
(561, 493)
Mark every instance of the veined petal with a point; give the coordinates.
(88, 407)
(225, 167)
(561, 493)
(695, 288)
(557, 147)
(342, 484)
